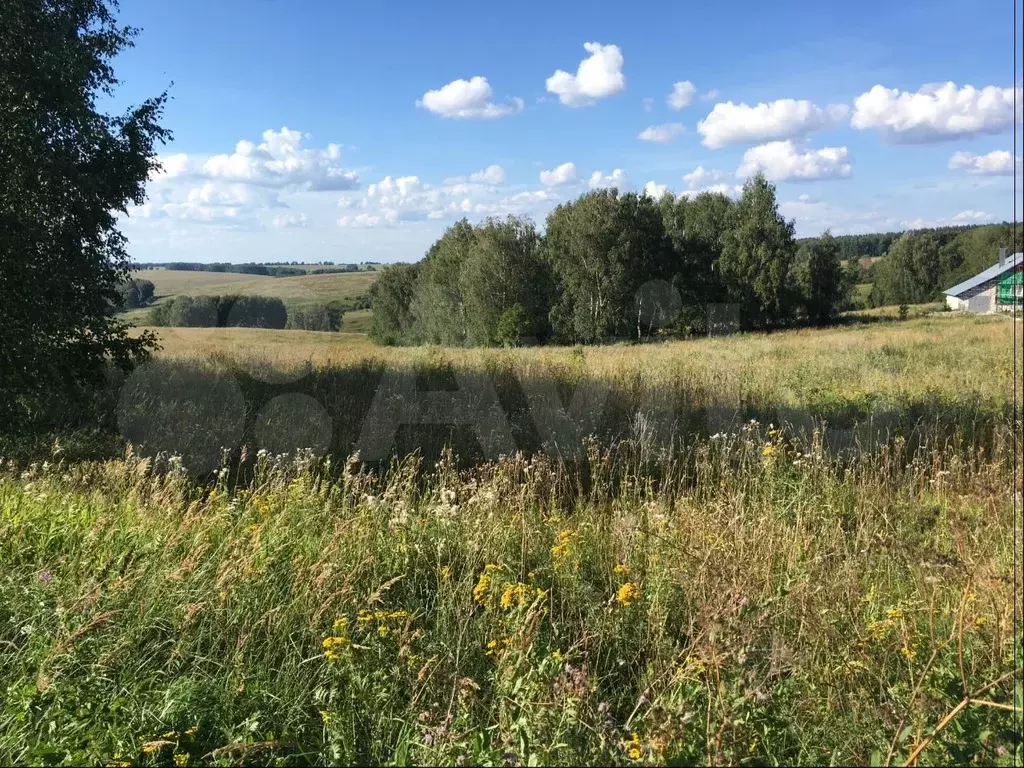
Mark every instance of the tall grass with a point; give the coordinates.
(761, 603)
(925, 379)
(703, 584)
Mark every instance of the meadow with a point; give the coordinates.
(724, 563)
(294, 291)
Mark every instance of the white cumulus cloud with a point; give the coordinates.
(937, 112)
(616, 178)
(598, 76)
(468, 100)
(556, 177)
(682, 95)
(698, 176)
(492, 174)
(662, 134)
(655, 190)
(278, 161)
(367, 221)
(729, 190)
(730, 123)
(781, 161)
(997, 163)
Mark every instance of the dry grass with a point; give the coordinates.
(309, 288)
(747, 598)
(950, 355)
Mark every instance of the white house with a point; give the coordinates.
(996, 289)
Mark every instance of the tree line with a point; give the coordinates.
(265, 270)
(915, 267)
(235, 311)
(876, 244)
(920, 265)
(613, 265)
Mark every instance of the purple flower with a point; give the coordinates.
(46, 577)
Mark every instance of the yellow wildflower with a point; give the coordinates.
(908, 653)
(628, 593)
(333, 646)
(341, 624)
(514, 595)
(181, 758)
(622, 568)
(191, 731)
(364, 617)
(563, 548)
(383, 630)
(170, 735)
(768, 451)
(633, 749)
(557, 656)
(480, 590)
(327, 717)
(894, 614)
(149, 749)
(495, 646)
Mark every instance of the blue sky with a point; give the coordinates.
(402, 117)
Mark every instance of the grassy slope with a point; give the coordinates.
(759, 603)
(950, 354)
(292, 290)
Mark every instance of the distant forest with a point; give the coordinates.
(266, 270)
(920, 264)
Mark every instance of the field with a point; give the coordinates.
(294, 291)
(758, 549)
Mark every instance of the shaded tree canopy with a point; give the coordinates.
(66, 170)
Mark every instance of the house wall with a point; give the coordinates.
(981, 299)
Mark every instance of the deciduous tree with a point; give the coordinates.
(66, 170)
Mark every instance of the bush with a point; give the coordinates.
(220, 312)
(136, 293)
(326, 316)
(513, 325)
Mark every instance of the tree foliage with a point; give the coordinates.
(391, 299)
(136, 292)
(757, 252)
(609, 266)
(437, 307)
(221, 312)
(910, 272)
(822, 284)
(602, 248)
(66, 170)
(504, 270)
(320, 316)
